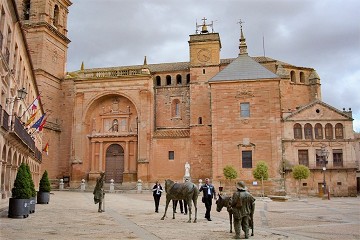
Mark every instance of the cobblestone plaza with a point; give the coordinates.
(73, 215)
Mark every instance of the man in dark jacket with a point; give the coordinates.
(243, 204)
(208, 194)
(157, 190)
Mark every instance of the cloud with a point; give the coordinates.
(324, 35)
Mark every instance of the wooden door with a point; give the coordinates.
(114, 167)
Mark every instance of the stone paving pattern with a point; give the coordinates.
(130, 215)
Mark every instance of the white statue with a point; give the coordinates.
(187, 169)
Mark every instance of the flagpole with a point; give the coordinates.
(37, 98)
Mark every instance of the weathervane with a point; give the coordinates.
(204, 27)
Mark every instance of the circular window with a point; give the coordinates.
(317, 110)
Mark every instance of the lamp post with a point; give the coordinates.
(324, 155)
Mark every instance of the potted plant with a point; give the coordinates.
(33, 191)
(43, 196)
(19, 203)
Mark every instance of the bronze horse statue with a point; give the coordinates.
(187, 191)
(225, 201)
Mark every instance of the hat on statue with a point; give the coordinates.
(241, 185)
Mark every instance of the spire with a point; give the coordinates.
(145, 61)
(242, 45)
(82, 66)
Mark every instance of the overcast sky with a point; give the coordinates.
(322, 34)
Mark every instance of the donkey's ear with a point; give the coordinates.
(219, 195)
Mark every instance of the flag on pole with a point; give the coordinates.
(46, 149)
(31, 118)
(35, 103)
(42, 125)
(33, 106)
(38, 122)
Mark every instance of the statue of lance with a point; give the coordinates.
(99, 193)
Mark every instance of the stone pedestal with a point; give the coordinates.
(112, 186)
(61, 184)
(82, 185)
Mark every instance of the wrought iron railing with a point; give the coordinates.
(5, 120)
(23, 134)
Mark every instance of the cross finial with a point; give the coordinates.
(240, 22)
(204, 20)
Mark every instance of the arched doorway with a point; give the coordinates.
(114, 166)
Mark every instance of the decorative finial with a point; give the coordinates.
(204, 26)
(82, 66)
(145, 61)
(242, 46)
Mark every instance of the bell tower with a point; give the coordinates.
(204, 46)
(44, 23)
(204, 64)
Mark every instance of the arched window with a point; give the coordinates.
(302, 77)
(308, 131)
(178, 79)
(26, 9)
(176, 108)
(339, 133)
(168, 80)
(187, 78)
(318, 131)
(200, 120)
(56, 16)
(292, 77)
(158, 81)
(328, 131)
(297, 131)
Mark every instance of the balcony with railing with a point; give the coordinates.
(4, 120)
(23, 135)
(18, 132)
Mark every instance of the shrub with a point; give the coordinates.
(230, 172)
(22, 188)
(44, 185)
(32, 185)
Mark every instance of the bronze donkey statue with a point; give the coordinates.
(225, 201)
(187, 191)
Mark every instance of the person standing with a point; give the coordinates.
(157, 190)
(243, 204)
(208, 194)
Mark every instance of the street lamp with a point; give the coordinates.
(21, 94)
(324, 155)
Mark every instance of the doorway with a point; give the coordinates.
(114, 165)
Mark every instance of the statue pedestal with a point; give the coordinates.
(187, 179)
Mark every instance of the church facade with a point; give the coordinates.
(147, 121)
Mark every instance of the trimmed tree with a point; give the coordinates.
(22, 187)
(230, 172)
(261, 172)
(43, 196)
(44, 185)
(32, 188)
(32, 185)
(300, 172)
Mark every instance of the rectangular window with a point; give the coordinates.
(338, 157)
(319, 158)
(246, 159)
(245, 109)
(303, 157)
(171, 155)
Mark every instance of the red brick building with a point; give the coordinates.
(146, 121)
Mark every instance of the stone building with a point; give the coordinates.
(18, 142)
(146, 121)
